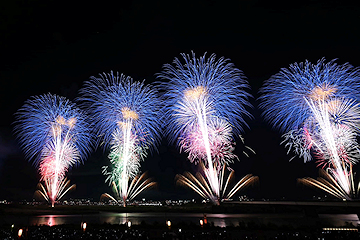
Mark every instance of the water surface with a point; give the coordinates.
(220, 220)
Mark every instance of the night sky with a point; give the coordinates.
(53, 46)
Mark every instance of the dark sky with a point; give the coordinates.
(53, 46)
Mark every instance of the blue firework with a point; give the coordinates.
(224, 87)
(125, 115)
(113, 99)
(40, 117)
(283, 97)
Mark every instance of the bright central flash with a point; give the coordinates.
(129, 114)
(62, 121)
(195, 93)
(322, 93)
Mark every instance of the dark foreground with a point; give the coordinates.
(186, 230)
(178, 231)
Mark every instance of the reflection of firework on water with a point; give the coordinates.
(137, 185)
(330, 185)
(126, 119)
(205, 102)
(316, 106)
(54, 134)
(44, 189)
(201, 185)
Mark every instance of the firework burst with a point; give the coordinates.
(55, 135)
(125, 114)
(316, 106)
(205, 101)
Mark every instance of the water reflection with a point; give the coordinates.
(221, 223)
(117, 218)
(220, 220)
(49, 220)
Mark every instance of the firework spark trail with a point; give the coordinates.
(335, 140)
(316, 106)
(44, 191)
(329, 184)
(328, 135)
(205, 102)
(196, 98)
(55, 135)
(199, 184)
(137, 185)
(126, 119)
